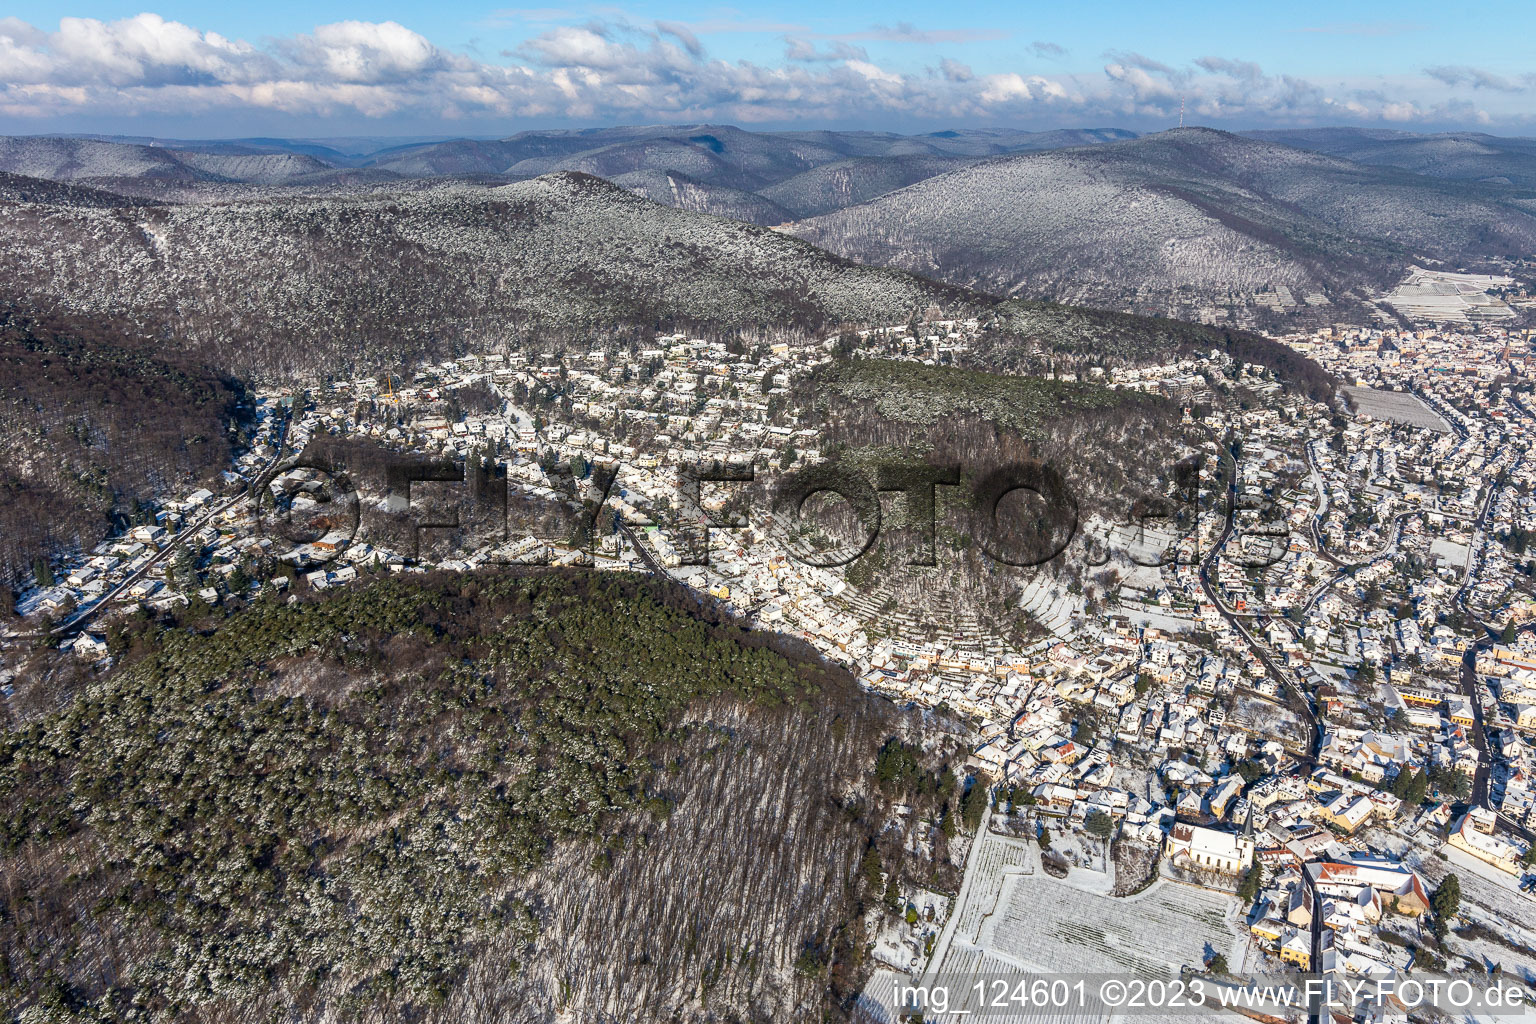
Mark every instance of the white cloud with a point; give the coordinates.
(618, 71)
(683, 34)
(1478, 78)
(797, 48)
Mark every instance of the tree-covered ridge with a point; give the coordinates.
(336, 803)
(1108, 453)
(93, 415)
(918, 393)
(268, 285)
(1034, 337)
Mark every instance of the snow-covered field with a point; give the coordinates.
(1051, 925)
(1455, 554)
(1049, 604)
(1014, 918)
(1440, 296)
(1044, 925)
(1397, 407)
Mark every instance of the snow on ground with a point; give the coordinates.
(1443, 296)
(1136, 548)
(900, 943)
(1052, 925)
(1489, 897)
(1453, 553)
(1087, 856)
(1155, 617)
(1049, 604)
(1397, 407)
(998, 857)
(1012, 917)
(1253, 712)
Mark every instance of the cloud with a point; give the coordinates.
(1477, 78)
(905, 32)
(367, 52)
(1048, 50)
(1246, 70)
(519, 15)
(954, 71)
(621, 71)
(805, 50)
(677, 30)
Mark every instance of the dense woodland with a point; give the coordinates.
(1193, 223)
(95, 415)
(484, 797)
(276, 286)
(1111, 455)
(1042, 337)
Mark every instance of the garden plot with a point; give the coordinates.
(1085, 854)
(903, 941)
(1453, 553)
(1267, 718)
(1158, 618)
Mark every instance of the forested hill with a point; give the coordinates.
(477, 797)
(1041, 337)
(1185, 222)
(285, 283)
(94, 415)
(274, 285)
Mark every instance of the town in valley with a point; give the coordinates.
(1322, 760)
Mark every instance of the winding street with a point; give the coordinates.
(79, 620)
(1275, 672)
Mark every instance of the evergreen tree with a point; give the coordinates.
(1099, 825)
(871, 868)
(1446, 899)
(973, 805)
(1253, 881)
(1418, 790)
(184, 569)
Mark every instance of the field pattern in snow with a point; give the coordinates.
(1053, 926)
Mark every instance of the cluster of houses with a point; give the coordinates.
(1220, 710)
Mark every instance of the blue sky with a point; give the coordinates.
(283, 67)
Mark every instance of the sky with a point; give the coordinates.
(322, 69)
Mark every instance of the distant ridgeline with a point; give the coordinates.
(488, 796)
(272, 284)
